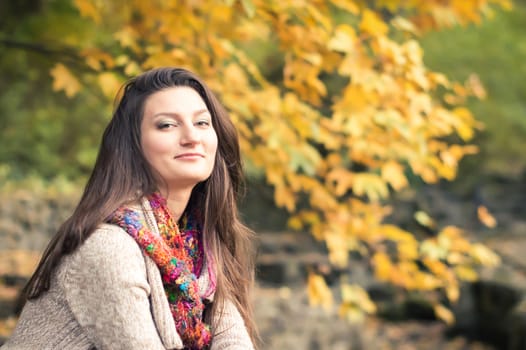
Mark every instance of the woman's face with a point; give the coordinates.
(177, 137)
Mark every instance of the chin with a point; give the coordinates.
(190, 180)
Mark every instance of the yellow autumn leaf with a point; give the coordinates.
(372, 24)
(93, 63)
(426, 281)
(444, 314)
(431, 249)
(408, 250)
(444, 170)
(348, 5)
(64, 80)
(456, 258)
(352, 313)
(464, 130)
(424, 171)
(483, 255)
(108, 83)
(127, 37)
(475, 86)
(370, 185)
(319, 293)
(235, 77)
(436, 267)
(444, 16)
(393, 173)
(466, 273)
(396, 234)
(132, 69)
(414, 53)
(452, 232)
(506, 4)
(452, 291)
(353, 99)
(310, 216)
(343, 40)
(285, 197)
(424, 219)
(355, 295)
(439, 79)
(404, 24)
(485, 216)
(400, 277)
(445, 241)
(321, 198)
(295, 223)
(87, 9)
(382, 266)
(337, 244)
(249, 7)
(341, 179)
(320, 17)
(98, 59)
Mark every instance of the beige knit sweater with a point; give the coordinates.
(109, 295)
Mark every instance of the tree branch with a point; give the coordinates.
(67, 54)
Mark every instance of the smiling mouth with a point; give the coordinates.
(189, 156)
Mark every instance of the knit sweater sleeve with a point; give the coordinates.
(230, 332)
(107, 290)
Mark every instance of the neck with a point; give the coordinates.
(177, 200)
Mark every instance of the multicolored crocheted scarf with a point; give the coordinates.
(179, 256)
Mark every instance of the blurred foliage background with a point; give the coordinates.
(497, 52)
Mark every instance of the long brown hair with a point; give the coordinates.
(121, 174)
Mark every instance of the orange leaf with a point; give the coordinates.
(485, 216)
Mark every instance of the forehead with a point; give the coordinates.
(179, 99)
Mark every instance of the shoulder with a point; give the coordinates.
(109, 237)
(110, 243)
(109, 234)
(108, 250)
(106, 261)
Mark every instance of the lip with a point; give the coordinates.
(189, 156)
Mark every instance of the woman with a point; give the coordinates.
(154, 256)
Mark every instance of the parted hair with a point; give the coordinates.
(122, 175)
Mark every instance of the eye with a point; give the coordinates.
(203, 123)
(165, 125)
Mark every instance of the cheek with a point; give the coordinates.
(155, 144)
(211, 142)
(214, 144)
(153, 147)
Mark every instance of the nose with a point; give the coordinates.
(189, 135)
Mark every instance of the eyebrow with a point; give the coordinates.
(196, 113)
